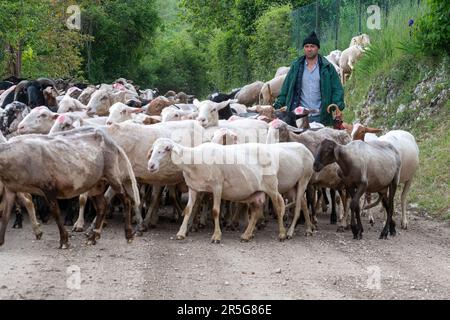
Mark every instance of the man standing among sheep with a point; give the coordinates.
(313, 83)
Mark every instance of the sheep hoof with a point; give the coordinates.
(77, 229)
(39, 235)
(404, 225)
(333, 219)
(340, 229)
(64, 246)
(383, 235)
(282, 237)
(245, 239)
(215, 241)
(130, 240)
(371, 222)
(180, 237)
(308, 233)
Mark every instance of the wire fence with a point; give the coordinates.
(337, 21)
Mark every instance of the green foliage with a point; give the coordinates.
(39, 28)
(434, 28)
(271, 46)
(174, 64)
(121, 30)
(228, 33)
(228, 60)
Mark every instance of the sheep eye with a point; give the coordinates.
(213, 110)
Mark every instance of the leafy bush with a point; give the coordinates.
(174, 63)
(434, 28)
(272, 44)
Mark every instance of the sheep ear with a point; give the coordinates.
(55, 116)
(149, 153)
(196, 103)
(137, 110)
(373, 130)
(223, 104)
(76, 124)
(295, 130)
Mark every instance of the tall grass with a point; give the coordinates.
(392, 41)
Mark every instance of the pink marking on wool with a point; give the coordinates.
(233, 118)
(275, 123)
(61, 119)
(299, 110)
(119, 86)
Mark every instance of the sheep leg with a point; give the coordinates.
(217, 196)
(176, 203)
(310, 197)
(325, 201)
(255, 214)
(100, 208)
(388, 204)
(79, 224)
(54, 209)
(19, 217)
(357, 227)
(193, 223)
(278, 203)
(187, 214)
(127, 202)
(390, 214)
(8, 199)
(405, 191)
(385, 203)
(203, 216)
(344, 214)
(236, 215)
(333, 216)
(151, 218)
(300, 204)
(26, 200)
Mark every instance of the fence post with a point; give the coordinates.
(386, 12)
(317, 19)
(338, 16)
(359, 17)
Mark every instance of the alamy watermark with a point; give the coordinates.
(374, 20)
(73, 280)
(374, 278)
(73, 22)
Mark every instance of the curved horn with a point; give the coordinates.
(20, 86)
(333, 105)
(45, 82)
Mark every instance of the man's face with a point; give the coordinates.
(311, 50)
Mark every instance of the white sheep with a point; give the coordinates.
(348, 59)
(362, 40)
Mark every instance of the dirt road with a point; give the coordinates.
(330, 265)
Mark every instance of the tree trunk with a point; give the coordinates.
(15, 61)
